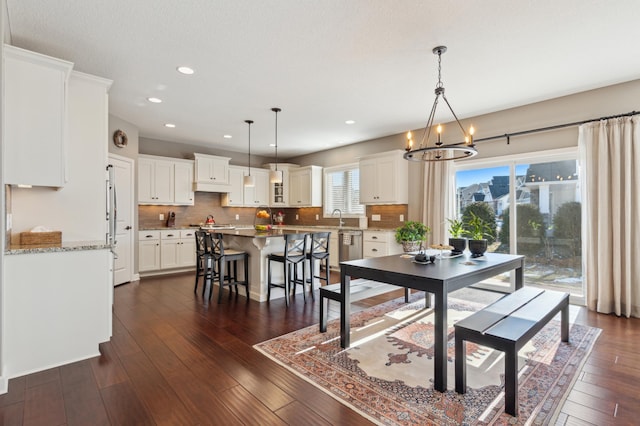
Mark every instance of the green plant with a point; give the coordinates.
(412, 231)
(485, 212)
(456, 228)
(478, 228)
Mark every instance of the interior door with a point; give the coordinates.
(123, 171)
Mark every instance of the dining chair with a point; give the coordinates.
(293, 255)
(318, 251)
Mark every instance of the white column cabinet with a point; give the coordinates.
(35, 118)
(384, 178)
(305, 187)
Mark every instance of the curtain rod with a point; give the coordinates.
(545, 129)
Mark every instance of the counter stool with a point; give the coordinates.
(202, 260)
(222, 259)
(295, 252)
(318, 250)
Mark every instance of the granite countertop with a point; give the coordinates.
(241, 227)
(55, 248)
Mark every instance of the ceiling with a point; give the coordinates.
(327, 61)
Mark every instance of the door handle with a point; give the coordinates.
(127, 227)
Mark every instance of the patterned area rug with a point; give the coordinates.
(387, 374)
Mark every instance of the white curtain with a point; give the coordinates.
(610, 161)
(439, 199)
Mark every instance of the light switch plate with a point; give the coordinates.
(401, 218)
(161, 216)
(375, 217)
(317, 217)
(297, 217)
(237, 217)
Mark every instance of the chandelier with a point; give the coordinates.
(439, 151)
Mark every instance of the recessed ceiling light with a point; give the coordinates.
(154, 100)
(227, 136)
(185, 70)
(350, 122)
(170, 125)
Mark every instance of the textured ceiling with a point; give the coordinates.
(327, 61)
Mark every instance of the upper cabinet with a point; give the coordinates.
(384, 178)
(305, 186)
(165, 181)
(279, 192)
(212, 173)
(241, 196)
(35, 118)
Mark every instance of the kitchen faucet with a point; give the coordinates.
(340, 222)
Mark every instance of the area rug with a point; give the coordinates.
(387, 374)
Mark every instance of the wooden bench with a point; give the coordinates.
(360, 289)
(506, 325)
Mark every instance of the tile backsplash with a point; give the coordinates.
(209, 203)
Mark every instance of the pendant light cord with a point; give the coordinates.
(276, 110)
(249, 122)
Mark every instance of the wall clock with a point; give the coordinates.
(120, 138)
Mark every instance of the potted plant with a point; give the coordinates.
(411, 235)
(477, 229)
(456, 236)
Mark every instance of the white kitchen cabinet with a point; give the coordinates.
(257, 195)
(187, 250)
(156, 181)
(169, 249)
(165, 181)
(241, 196)
(235, 195)
(305, 187)
(379, 243)
(384, 178)
(183, 183)
(166, 249)
(211, 173)
(279, 192)
(148, 250)
(35, 118)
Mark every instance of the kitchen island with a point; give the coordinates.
(258, 244)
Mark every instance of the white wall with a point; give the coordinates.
(77, 209)
(611, 100)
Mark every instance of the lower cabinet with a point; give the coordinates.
(379, 243)
(165, 250)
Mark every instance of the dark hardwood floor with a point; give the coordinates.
(175, 359)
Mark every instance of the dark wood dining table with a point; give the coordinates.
(438, 278)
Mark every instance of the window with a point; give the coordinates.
(545, 223)
(342, 190)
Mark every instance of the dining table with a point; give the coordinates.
(440, 277)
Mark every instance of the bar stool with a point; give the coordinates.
(295, 252)
(222, 258)
(202, 259)
(318, 250)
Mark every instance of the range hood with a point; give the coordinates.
(211, 187)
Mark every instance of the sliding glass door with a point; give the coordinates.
(544, 225)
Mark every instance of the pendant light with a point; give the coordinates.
(249, 180)
(275, 176)
(440, 152)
